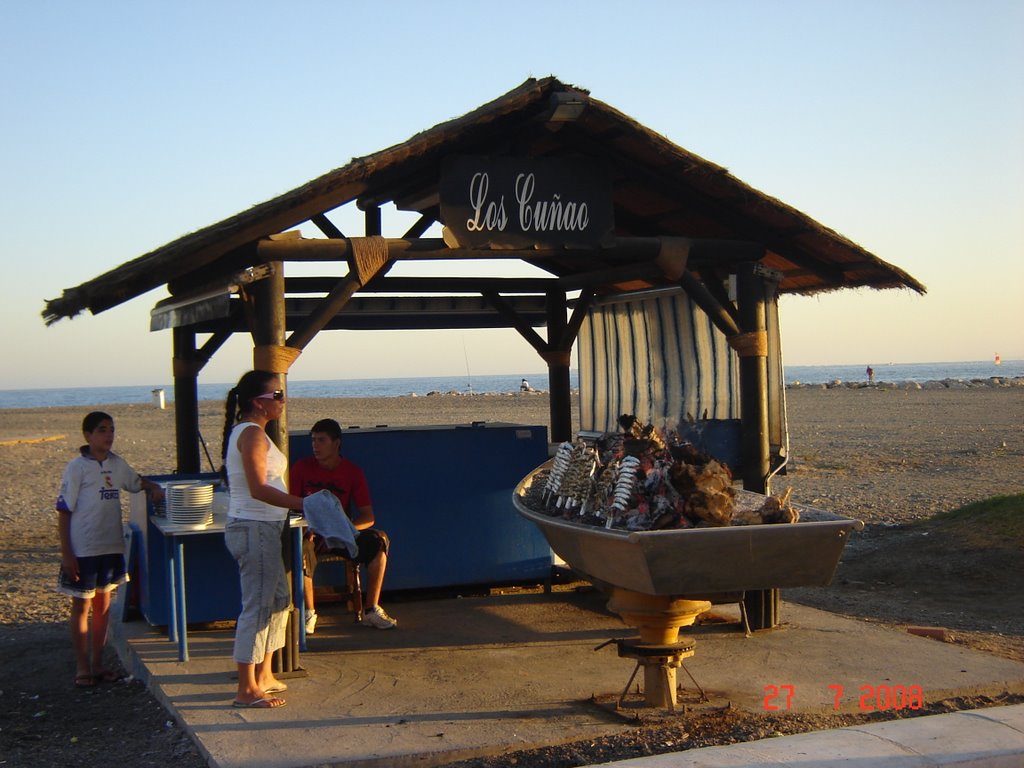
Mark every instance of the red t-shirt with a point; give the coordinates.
(346, 481)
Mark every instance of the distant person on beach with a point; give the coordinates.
(328, 469)
(871, 374)
(257, 513)
(92, 541)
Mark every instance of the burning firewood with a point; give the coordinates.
(777, 509)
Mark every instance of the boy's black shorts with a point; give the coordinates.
(371, 543)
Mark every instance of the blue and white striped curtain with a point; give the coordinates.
(659, 358)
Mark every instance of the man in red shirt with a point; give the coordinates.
(327, 468)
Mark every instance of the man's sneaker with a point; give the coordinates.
(310, 622)
(376, 617)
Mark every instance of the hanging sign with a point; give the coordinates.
(509, 202)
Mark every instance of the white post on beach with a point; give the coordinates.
(158, 399)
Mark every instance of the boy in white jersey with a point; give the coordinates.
(92, 541)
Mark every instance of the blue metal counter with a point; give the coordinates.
(211, 573)
(444, 496)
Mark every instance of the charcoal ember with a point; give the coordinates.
(666, 520)
(637, 519)
(657, 479)
(666, 505)
(610, 447)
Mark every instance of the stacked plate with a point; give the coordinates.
(189, 503)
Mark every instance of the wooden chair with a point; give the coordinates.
(352, 591)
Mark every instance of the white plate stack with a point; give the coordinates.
(189, 503)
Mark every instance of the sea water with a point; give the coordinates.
(478, 385)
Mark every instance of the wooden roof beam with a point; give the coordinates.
(326, 226)
(364, 321)
(622, 273)
(425, 222)
(703, 298)
(473, 285)
(715, 286)
(625, 250)
(579, 314)
(513, 318)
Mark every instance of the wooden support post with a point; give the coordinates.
(557, 358)
(186, 366)
(762, 606)
(373, 222)
(269, 331)
(753, 383)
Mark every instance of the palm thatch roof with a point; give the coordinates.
(659, 189)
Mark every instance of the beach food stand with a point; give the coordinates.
(450, 518)
(661, 269)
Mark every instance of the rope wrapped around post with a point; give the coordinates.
(369, 254)
(751, 344)
(557, 357)
(274, 358)
(186, 367)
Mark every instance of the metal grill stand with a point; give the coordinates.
(660, 663)
(659, 649)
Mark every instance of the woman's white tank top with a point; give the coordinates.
(241, 503)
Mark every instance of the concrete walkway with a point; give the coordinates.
(477, 676)
(981, 738)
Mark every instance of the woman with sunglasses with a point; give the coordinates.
(256, 472)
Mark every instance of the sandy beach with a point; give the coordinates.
(883, 456)
(890, 457)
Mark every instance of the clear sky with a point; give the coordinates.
(899, 124)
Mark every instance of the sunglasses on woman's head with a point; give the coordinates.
(277, 394)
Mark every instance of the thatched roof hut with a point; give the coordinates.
(663, 219)
(658, 189)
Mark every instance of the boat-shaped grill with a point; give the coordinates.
(695, 561)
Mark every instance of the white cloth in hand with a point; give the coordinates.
(326, 517)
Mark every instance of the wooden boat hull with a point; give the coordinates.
(699, 561)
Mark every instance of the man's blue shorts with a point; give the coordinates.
(100, 573)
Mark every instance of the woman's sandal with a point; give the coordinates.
(267, 702)
(84, 681)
